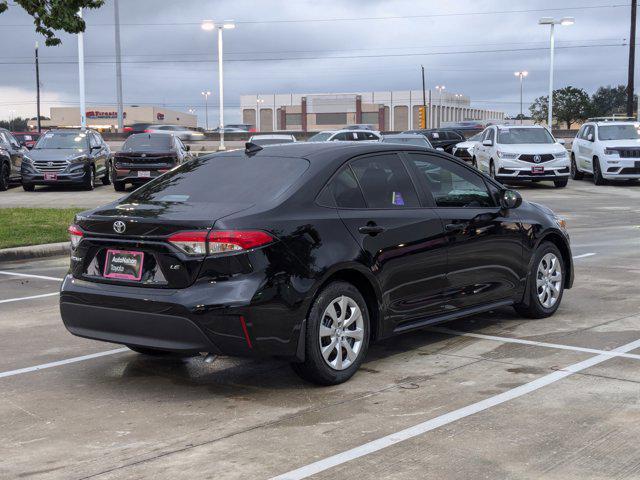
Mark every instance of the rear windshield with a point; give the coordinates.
(147, 143)
(415, 140)
(223, 180)
(271, 141)
(619, 132)
(524, 135)
(320, 137)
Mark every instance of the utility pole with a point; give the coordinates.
(38, 90)
(83, 106)
(632, 59)
(116, 13)
(424, 91)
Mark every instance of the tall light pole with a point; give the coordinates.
(521, 75)
(83, 107)
(440, 89)
(209, 25)
(552, 23)
(38, 90)
(258, 102)
(116, 15)
(206, 109)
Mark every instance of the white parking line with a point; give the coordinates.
(584, 255)
(421, 428)
(28, 275)
(29, 298)
(534, 343)
(43, 366)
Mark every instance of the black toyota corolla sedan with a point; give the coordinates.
(308, 252)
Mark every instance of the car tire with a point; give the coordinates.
(119, 186)
(474, 162)
(5, 174)
(339, 322)
(597, 173)
(545, 286)
(154, 352)
(492, 170)
(561, 183)
(575, 173)
(88, 181)
(106, 180)
(28, 187)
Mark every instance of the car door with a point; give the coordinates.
(485, 253)
(402, 241)
(16, 152)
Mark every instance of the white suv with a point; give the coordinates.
(607, 149)
(517, 153)
(346, 136)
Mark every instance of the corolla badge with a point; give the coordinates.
(119, 226)
(537, 158)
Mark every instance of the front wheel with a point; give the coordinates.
(106, 180)
(546, 283)
(337, 335)
(561, 183)
(5, 172)
(474, 162)
(28, 187)
(492, 170)
(88, 181)
(598, 179)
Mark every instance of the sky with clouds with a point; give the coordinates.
(471, 46)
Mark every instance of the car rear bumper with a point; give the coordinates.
(131, 175)
(216, 317)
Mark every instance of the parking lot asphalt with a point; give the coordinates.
(491, 396)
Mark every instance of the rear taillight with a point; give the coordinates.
(222, 241)
(127, 129)
(75, 235)
(219, 241)
(146, 130)
(191, 243)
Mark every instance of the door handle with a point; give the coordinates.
(455, 227)
(371, 229)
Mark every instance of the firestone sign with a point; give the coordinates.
(99, 114)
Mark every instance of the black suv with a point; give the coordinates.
(442, 138)
(309, 252)
(67, 157)
(12, 155)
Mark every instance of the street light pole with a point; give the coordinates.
(521, 74)
(116, 14)
(206, 109)
(83, 108)
(552, 23)
(258, 102)
(226, 25)
(38, 90)
(440, 89)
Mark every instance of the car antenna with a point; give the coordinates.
(251, 148)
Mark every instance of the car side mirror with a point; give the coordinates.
(487, 143)
(562, 141)
(187, 148)
(510, 199)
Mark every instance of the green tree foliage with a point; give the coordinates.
(50, 16)
(570, 104)
(17, 124)
(609, 101)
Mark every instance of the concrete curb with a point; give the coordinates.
(34, 251)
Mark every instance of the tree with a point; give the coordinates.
(17, 124)
(609, 101)
(50, 16)
(570, 104)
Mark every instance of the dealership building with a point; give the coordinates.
(387, 111)
(106, 117)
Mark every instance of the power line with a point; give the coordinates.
(281, 59)
(359, 19)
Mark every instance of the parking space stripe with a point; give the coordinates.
(422, 428)
(534, 343)
(28, 275)
(584, 255)
(29, 298)
(44, 366)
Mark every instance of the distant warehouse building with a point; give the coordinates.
(388, 111)
(106, 117)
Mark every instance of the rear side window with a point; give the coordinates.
(385, 182)
(148, 143)
(450, 184)
(225, 180)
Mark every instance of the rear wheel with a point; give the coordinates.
(575, 173)
(337, 335)
(598, 179)
(546, 283)
(5, 173)
(561, 183)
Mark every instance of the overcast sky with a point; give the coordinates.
(470, 46)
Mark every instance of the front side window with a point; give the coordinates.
(385, 182)
(511, 136)
(619, 132)
(450, 184)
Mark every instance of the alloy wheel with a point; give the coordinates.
(549, 280)
(341, 333)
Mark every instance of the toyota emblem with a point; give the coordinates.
(144, 155)
(49, 164)
(119, 226)
(537, 158)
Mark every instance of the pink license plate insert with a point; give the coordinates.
(123, 265)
